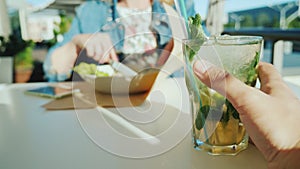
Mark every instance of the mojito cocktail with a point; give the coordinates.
(217, 127)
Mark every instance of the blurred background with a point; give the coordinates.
(29, 27)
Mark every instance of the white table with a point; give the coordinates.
(34, 138)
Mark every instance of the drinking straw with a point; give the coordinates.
(180, 6)
(183, 10)
(190, 74)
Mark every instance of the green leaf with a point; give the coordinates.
(231, 111)
(201, 116)
(251, 71)
(196, 33)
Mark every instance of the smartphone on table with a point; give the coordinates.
(52, 91)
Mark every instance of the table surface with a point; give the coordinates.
(34, 138)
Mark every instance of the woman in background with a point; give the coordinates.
(103, 29)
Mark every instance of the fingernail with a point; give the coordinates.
(201, 66)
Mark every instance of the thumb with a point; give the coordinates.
(220, 80)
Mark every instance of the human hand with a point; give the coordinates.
(98, 46)
(63, 59)
(270, 115)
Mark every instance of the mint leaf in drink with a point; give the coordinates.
(201, 116)
(252, 72)
(196, 34)
(231, 111)
(195, 27)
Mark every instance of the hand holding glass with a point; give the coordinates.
(217, 128)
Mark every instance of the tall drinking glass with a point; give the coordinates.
(217, 127)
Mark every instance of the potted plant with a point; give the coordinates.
(20, 52)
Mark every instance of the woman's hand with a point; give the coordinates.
(98, 46)
(270, 115)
